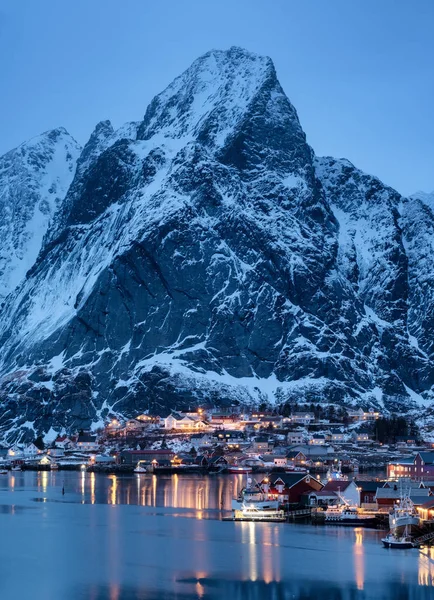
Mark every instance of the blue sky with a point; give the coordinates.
(360, 73)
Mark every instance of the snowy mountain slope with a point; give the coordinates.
(417, 221)
(375, 257)
(34, 179)
(426, 198)
(205, 255)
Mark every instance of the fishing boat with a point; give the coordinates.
(253, 513)
(140, 469)
(253, 496)
(347, 515)
(404, 513)
(403, 542)
(237, 469)
(16, 468)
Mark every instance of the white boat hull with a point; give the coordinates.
(399, 543)
(259, 515)
(258, 505)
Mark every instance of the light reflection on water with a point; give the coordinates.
(426, 567)
(359, 563)
(122, 553)
(188, 492)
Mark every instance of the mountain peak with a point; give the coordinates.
(221, 80)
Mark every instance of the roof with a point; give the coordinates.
(150, 452)
(177, 416)
(337, 485)
(368, 486)
(289, 479)
(294, 453)
(86, 439)
(216, 459)
(395, 494)
(427, 457)
(419, 500)
(405, 483)
(402, 461)
(428, 504)
(321, 494)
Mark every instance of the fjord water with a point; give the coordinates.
(146, 537)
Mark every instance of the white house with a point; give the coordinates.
(346, 490)
(56, 452)
(63, 442)
(361, 436)
(136, 425)
(15, 451)
(87, 442)
(361, 415)
(183, 422)
(318, 439)
(295, 437)
(303, 418)
(31, 450)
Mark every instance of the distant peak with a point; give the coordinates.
(103, 128)
(44, 144)
(52, 134)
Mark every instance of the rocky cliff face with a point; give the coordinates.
(206, 255)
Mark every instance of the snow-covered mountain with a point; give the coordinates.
(206, 255)
(34, 179)
(426, 197)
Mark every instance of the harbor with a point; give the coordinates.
(267, 467)
(195, 554)
(242, 497)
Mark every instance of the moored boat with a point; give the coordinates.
(347, 515)
(252, 513)
(254, 497)
(237, 469)
(392, 541)
(404, 513)
(3, 472)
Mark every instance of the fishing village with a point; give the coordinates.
(326, 467)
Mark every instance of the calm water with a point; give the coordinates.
(146, 537)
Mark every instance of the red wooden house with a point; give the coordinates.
(289, 487)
